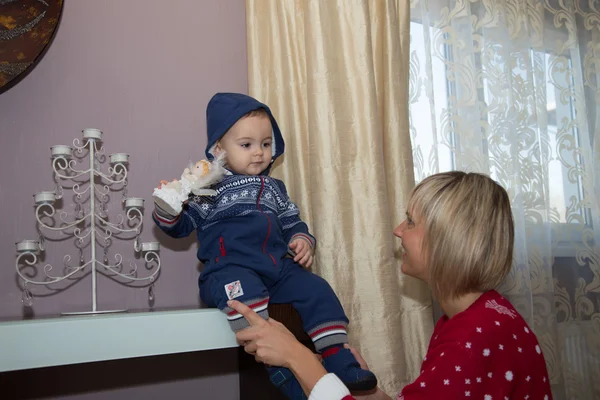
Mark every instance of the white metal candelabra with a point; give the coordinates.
(91, 224)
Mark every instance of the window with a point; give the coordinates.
(524, 111)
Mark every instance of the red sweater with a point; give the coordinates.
(486, 352)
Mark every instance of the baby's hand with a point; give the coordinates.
(304, 252)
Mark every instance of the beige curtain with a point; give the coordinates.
(335, 73)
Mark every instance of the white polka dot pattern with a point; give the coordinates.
(486, 352)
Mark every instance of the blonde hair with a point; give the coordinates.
(468, 232)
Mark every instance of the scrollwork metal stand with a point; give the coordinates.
(91, 225)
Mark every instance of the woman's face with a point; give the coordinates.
(411, 232)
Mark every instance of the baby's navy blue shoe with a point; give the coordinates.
(342, 362)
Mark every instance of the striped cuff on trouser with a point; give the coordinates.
(237, 322)
(329, 334)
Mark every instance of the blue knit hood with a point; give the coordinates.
(225, 109)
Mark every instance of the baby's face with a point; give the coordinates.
(248, 145)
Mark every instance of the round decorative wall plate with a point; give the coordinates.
(27, 28)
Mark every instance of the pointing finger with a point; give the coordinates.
(248, 313)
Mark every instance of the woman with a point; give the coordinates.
(458, 237)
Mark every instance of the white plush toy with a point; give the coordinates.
(195, 179)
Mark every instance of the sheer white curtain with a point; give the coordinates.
(511, 88)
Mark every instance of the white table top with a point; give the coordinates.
(80, 339)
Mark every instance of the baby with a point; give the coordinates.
(254, 246)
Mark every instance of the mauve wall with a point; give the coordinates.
(142, 71)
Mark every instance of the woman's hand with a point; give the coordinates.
(376, 394)
(267, 340)
(271, 343)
